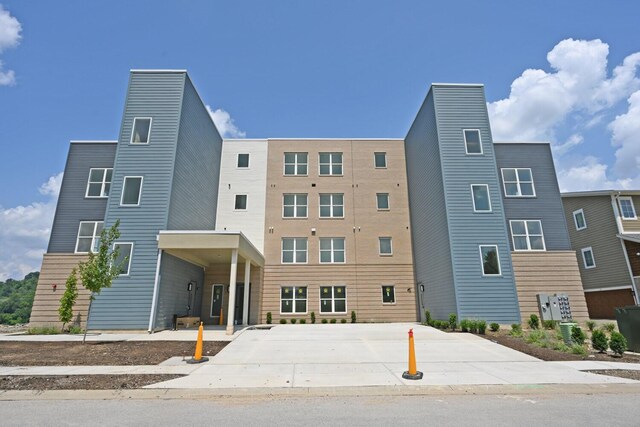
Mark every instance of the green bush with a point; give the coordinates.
(283, 321)
(599, 341)
(293, 321)
(534, 321)
(536, 337)
(427, 317)
(43, 330)
(453, 321)
(609, 327)
(325, 321)
(549, 324)
(591, 325)
(269, 318)
(303, 321)
(618, 343)
(578, 349)
(495, 327)
(343, 320)
(333, 320)
(464, 325)
(353, 317)
(482, 327)
(313, 317)
(68, 300)
(577, 335)
(74, 329)
(473, 326)
(516, 330)
(560, 346)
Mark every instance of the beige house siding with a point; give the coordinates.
(55, 269)
(632, 225)
(552, 272)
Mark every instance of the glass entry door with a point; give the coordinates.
(216, 303)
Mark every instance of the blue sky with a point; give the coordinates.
(315, 69)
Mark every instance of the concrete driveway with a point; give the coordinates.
(337, 355)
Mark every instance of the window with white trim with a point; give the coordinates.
(627, 210)
(330, 163)
(332, 250)
(480, 197)
(587, 258)
(518, 182)
(99, 182)
(243, 161)
(294, 205)
(332, 205)
(294, 250)
(472, 141)
(293, 299)
(388, 294)
(382, 201)
(141, 130)
(240, 202)
(88, 236)
(333, 299)
(296, 163)
(490, 260)
(125, 253)
(579, 220)
(380, 160)
(385, 246)
(131, 189)
(527, 235)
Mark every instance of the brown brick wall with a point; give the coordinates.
(602, 304)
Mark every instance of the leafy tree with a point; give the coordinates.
(16, 299)
(68, 300)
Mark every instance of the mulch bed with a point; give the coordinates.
(81, 382)
(21, 353)
(621, 373)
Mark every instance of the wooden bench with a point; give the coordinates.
(187, 322)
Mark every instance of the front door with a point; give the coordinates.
(239, 303)
(216, 303)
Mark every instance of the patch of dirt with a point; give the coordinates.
(11, 329)
(81, 382)
(21, 353)
(621, 373)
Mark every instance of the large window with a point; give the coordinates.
(587, 258)
(294, 250)
(579, 219)
(385, 247)
(88, 236)
(332, 205)
(330, 163)
(380, 160)
(332, 250)
(131, 189)
(490, 260)
(240, 202)
(141, 130)
(527, 235)
(294, 206)
(295, 163)
(388, 294)
(125, 252)
(333, 299)
(481, 200)
(293, 299)
(627, 209)
(472, 141)
(243, 160)
(99, 182)
(382, 201)
(518, 182)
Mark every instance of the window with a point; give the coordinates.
(241, 202)
(626, 208)
(579, 219)
(481, 201)
(293, 299)
(125, 250)
(490, 260)
(332, 250)
(243, 160)
(382, 200)
(295, 163)
(131, 191)
(587, 258)
(518, 182)
(88, 236)
(385, 246)
(380, 160)
(99, 182)
(330, 163)
(294, 206)
(141, 130)
(472, 141)
(527, 235)
(333, 299)
(294, 250)
(332, 205)
(388, 294)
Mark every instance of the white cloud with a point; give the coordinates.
(590, 174)
(573, 141)
(24, 232)
(10, 36)
(626, 136)
(225, 124)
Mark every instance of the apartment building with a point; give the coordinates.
(229, 231)
(605, 234)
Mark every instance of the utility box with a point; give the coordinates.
(628, 319)
(544, 307)
(555, 307)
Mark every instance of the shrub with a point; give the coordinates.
(43, 330)
(577, 335)
(599, 341)
(534, 321)
(453, 321)
(536, 337)
(68, 300)
(494, 327)
(74, 329)
(618, 343)
(427, 317)
(353, 317)
(343, 320)
(609, 327)
(464, 325)
(560, 346)
(578, 349)
(325, 321)
(473, 326)
(313, 317)
(293, 321)
(303, 321)
(549, 324)
(269, 318)
(516, 330)
(443, 325)
(482, 327)
(591, 325)
(283, 321)
(333, 320)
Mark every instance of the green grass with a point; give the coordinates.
(44, 330)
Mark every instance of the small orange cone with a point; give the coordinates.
(221, 317)
(197, 357)
(412, 373)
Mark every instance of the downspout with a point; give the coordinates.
(154, 301)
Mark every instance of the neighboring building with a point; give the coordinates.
(605, 234)
(231, 230)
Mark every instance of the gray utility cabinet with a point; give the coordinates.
(554, 307)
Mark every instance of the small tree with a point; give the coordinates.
(618, 343)
(534, 321)
(102, 267)
(599, 341)
(68, 300)
(353, 317)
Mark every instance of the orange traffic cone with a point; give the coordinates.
(412, 373)
(197, 357)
